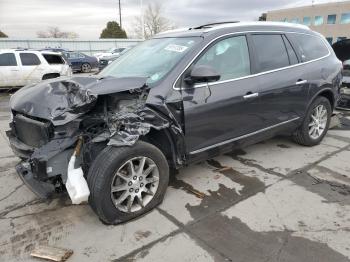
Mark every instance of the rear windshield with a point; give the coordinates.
(53, 59)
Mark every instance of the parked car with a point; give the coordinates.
(109, 52)
(22, 67)
(174, 100)
(81, 62)
(342, 50)
(104, 61)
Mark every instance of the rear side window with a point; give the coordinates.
(53, 59)
(29, 59)
(8, 59)
(270, 51)
(310, 47)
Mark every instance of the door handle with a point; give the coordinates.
(301, 82)
(14, 70)
(250, 95)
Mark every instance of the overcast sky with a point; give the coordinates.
(23, 18)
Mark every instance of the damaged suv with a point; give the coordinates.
(179, 98)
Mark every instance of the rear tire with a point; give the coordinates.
(112, 170)
(315, 124)
(86, 68)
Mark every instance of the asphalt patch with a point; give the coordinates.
(236, 241)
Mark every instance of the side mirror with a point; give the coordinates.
(202, 74)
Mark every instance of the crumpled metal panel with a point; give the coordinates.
(62, 100)
(127, 125)
(57, 101)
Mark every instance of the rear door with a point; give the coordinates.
(283, 89)
(32, 68)
(9, 70)
(219, 112)
(76, 60)
(56, 63)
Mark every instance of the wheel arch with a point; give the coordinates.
(327, 93)
(163, 140)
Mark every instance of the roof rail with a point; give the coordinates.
(213, 24)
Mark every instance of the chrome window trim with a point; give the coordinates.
(253, 75)
(241, 137)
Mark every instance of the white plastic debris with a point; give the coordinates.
(76, 184)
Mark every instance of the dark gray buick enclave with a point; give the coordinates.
(179, 98)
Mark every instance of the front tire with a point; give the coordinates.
(315, 124)
(127, 182)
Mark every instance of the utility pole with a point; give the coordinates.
(120, 15)
(142, 20)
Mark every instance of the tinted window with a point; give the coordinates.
(8, 59)
(331, 19)
(307, 20)
(271, 52)
(318, 20)
(29, 59)
(345, 18)
(293, 59)
(53, 59)
(295, 20)
(310, 47)
(75, 55)
(229, 57)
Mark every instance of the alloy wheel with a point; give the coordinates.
(318, 121)
(134, 184)
(86, 68)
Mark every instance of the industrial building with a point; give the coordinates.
(331, 19)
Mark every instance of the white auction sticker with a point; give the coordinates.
(176, 48)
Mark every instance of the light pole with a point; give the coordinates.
(142, 20)
(120, 15)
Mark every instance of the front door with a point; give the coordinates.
(218, 112)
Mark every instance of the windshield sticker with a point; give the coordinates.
(176, 48)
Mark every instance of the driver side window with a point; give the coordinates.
(229, 57)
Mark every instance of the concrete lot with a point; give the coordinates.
(274, 201)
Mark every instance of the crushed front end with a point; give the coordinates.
(45, 152)
(49, 119)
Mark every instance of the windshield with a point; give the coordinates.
(153, 58)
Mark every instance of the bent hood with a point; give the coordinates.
(64, 99)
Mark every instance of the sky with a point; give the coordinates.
(24, 18)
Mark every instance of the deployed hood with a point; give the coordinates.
(64, 99)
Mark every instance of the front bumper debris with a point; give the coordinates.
(41, 189)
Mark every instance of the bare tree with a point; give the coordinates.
(153, 21)
(55, 32)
